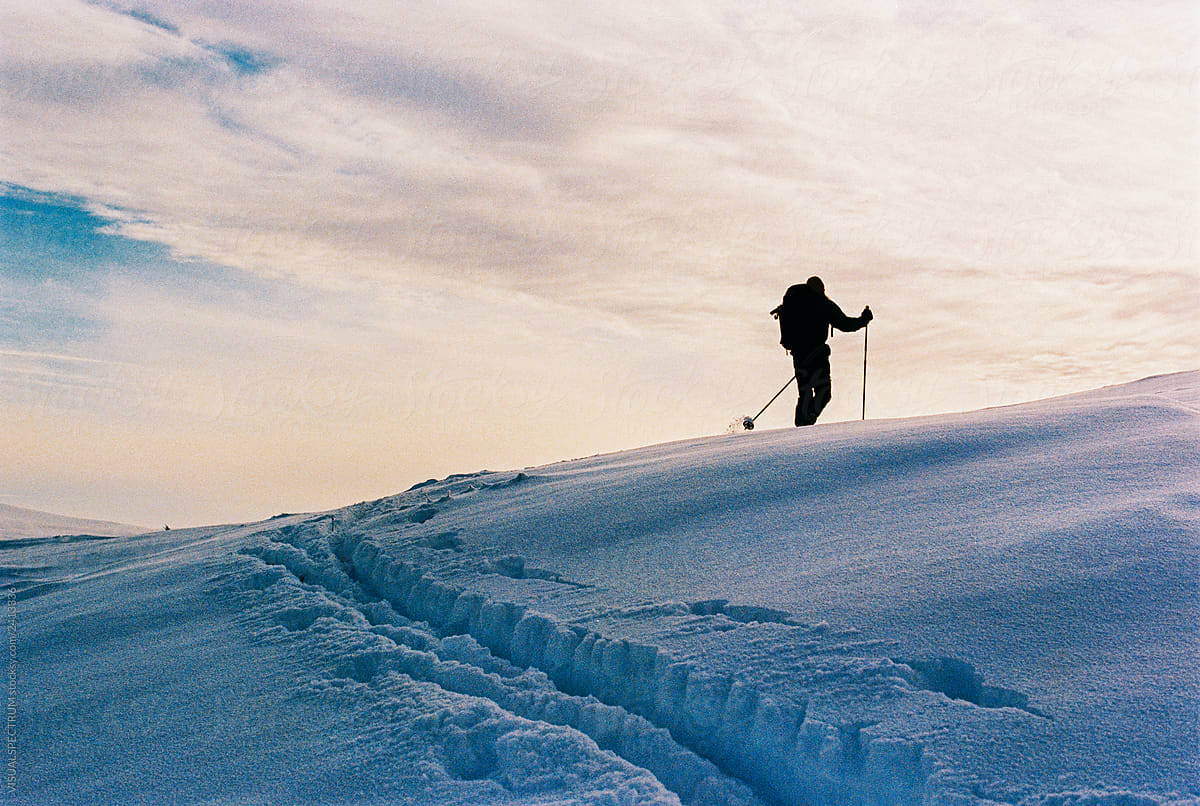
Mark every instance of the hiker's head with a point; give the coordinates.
(815, 284)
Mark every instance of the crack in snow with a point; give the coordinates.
(958, 680)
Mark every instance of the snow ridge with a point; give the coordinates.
(706, 737)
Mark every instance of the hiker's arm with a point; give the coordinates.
(845, 323)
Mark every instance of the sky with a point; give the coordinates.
(265, 257)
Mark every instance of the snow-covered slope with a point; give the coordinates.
(999, 606)
(17, 522)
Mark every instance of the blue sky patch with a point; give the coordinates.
(58, 259)
(45, 236)
(146, 17)
(242, 59)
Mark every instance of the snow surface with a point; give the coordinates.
(18, 522)
(999, 606)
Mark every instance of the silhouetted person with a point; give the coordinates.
(805, 317)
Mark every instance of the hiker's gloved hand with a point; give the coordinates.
(867, 316)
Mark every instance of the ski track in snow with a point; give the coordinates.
(709, 736)
(473, 646)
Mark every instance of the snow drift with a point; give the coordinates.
(997, 607)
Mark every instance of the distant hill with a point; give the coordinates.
(16, 522)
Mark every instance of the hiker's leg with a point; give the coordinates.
(804, 407)
(812, 378)
(804, 388)
(822, 386)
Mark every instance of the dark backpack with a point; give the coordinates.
(791, 314)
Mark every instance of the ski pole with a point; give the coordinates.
(866, 327)
(748, 422)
